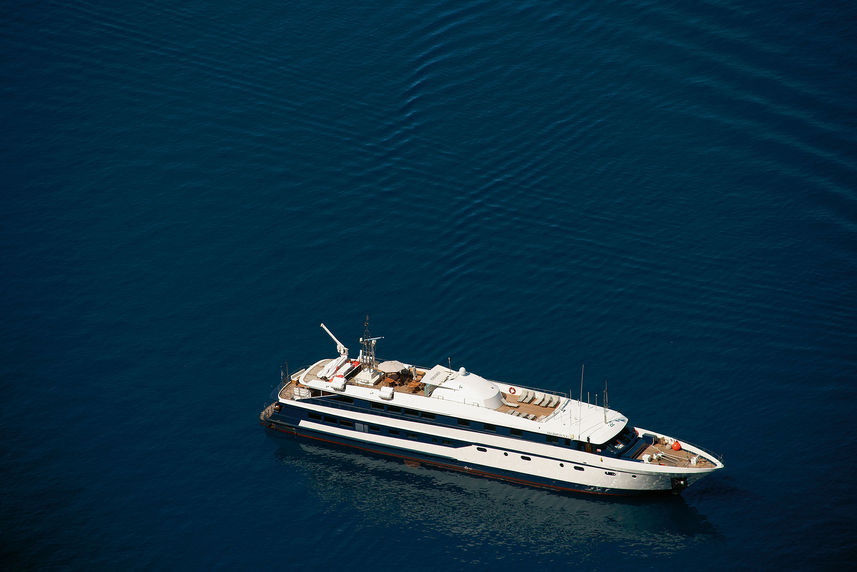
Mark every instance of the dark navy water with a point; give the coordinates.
(665, 192)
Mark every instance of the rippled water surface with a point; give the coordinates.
(662, 191)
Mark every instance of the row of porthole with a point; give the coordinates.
(576, 467)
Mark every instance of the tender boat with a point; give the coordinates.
(458, 420)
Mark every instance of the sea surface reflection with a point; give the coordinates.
(472, 509)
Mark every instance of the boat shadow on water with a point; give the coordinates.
(394, 493)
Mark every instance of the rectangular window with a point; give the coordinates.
(552, 439)
(524, 457)
(346, 423)
(377, 405)
(393, 431)
(314, 415)
(446, 442)
(481, 449)
(489, 427)
(360, 427)
(576, 468)
(374, 428)
(516, 432)
(427, 415)
(394, 409)
(411, 412)
(330, 419)
(610, 473)
(413, 436)
(464, 422)
(345, 398)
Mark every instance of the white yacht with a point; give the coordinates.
(458, 420)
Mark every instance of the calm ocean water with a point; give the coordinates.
(664, 191)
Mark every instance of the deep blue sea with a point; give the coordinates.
(665, 192)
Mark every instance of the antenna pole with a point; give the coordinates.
(580, 401)
(605, 400)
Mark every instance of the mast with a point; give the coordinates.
(367, 346)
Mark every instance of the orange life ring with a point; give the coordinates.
(511, 391)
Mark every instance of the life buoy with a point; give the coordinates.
(511, 391)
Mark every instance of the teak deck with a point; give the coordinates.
(416, 387)
(663, 454)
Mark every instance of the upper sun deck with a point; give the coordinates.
(459, 393)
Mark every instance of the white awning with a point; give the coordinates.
(392, 366)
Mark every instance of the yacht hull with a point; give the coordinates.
(603, 479)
